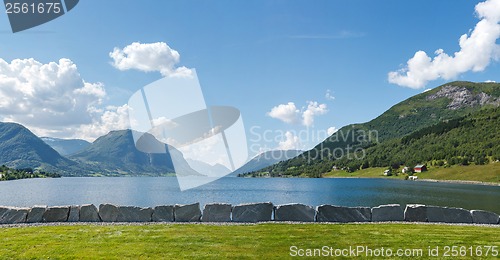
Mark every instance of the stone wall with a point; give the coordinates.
(247, 213)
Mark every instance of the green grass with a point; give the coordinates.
(482, 173)
(263, 241)
(375, 172)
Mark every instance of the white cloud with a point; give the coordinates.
(313, 109)
(52, 94)
(287, 113)
(113, 118)
(331, 130)
(52, 99)
(490, 81)
(329, 95)
(476, 53)
(149, 57)
(291, 142)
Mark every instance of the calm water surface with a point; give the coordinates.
(151, 191)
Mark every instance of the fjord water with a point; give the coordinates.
(151, 191)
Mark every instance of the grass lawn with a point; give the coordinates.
(263, 241)
(375, 172)
(483, 173)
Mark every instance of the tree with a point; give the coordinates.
(465, 161)
(480, 159)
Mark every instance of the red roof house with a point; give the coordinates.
(420, 168)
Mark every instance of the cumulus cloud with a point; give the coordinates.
(287, 113)
(149, 57)
(313, 109)
(290, 114)
(331, 130)
(52, 99)
(477, 51)
(290, 142)
(112, 118)
(52, 94)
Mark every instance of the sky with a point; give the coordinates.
(296, 70)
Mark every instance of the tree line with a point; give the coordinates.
(7, 174)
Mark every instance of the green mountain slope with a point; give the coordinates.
(116, 154)
(20, 148)
(474, 138)
(447, 102)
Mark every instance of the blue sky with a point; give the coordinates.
(253, 55)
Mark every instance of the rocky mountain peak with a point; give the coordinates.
(462, 97)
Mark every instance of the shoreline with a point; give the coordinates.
(426, 180)
(462, 182)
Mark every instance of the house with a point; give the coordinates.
(406, 169)
(420, 168)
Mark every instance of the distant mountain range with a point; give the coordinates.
(208, 169)
(116, 154)
(66, 146)
(112, 154)
(266, 159)
(457, 122)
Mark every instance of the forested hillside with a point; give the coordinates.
(456, 123)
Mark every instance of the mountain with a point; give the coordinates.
(66, 146)
(447, 102)
(266, 159)
(116, 154)
(474, 138)
(209, 170)
(443, 103)
(20, 148)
